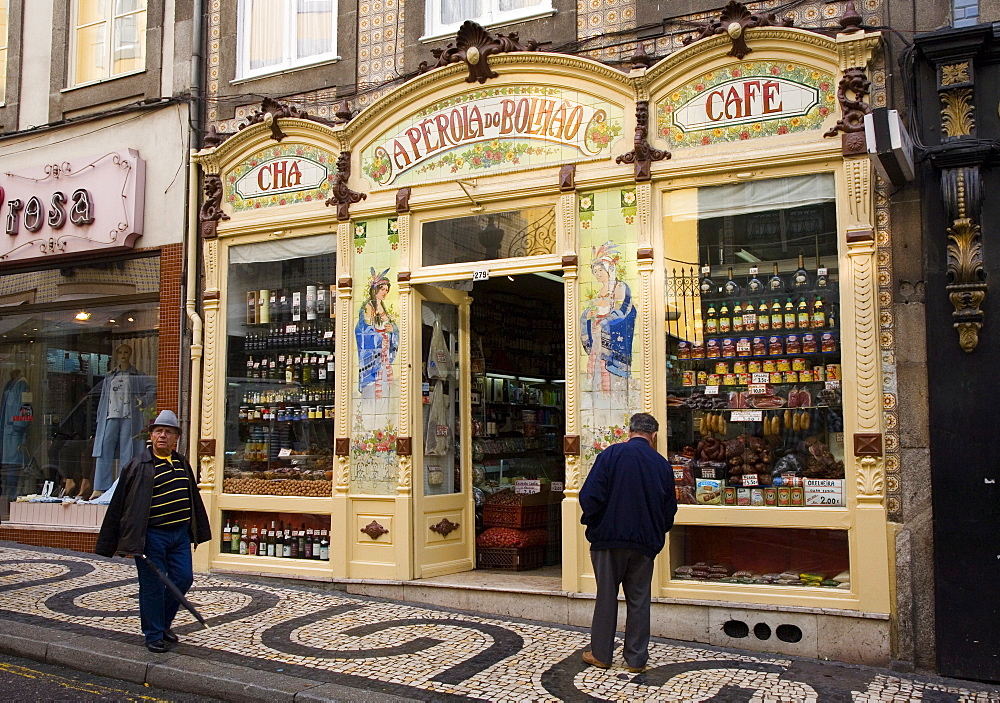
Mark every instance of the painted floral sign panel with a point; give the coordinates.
(611, 382)
(493, 130)
(745, 101)
(280, 175)
(375, 344)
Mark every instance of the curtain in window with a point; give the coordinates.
(266, 19)
(314, 24)
(3, 49)
(128, 36)
(457, 11)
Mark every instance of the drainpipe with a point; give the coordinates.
(192, 250)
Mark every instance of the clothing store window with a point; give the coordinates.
(275, 35)
(108, 39)
(79, 348)
(446, 16)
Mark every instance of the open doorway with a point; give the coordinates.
(518, 421)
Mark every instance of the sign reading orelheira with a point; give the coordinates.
(493, 130)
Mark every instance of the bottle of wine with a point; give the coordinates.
(818, 313)
(731, 288)
(800, 279)
(803, 317)
(253, 548)
(302, 541)
(789, 315)
(831, 319)
(775, 284)
(763, 317)
(227, 538)
(822, 279)
(286, 543)
(777, 321)
(270, 540)
(711, 320)
(324, 547)
(244, 541)
(755, 285)
(706, 286)
(309, 544)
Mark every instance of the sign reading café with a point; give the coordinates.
(491, 130)
(72, 207)
(745, 101)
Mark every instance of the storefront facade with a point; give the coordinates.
(472, 284)
(90, 313)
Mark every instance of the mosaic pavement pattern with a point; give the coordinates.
(420, 652)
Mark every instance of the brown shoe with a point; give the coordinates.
(635, 669)
(588, 657)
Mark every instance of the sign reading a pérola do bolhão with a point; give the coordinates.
(493, 130)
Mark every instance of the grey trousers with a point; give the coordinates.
(633, 570)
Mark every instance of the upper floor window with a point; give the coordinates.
(275, 35)
(3, 50)
(109, 39)
(446, 16)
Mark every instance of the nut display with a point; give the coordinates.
(279, 487)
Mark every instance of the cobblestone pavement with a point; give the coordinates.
(418, 652)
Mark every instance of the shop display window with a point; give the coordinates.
(501, 235)
(79, 349)
(303, 536)
(761, 555)
(280, 368)
(754, 342)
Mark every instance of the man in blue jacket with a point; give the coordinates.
(628, 504)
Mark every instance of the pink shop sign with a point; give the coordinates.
(91, 204)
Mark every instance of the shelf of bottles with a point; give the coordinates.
(278, 535)
(754, 379)
(281, 374)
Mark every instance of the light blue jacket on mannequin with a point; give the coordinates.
(142, 389)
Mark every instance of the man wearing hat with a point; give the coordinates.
(156, 512)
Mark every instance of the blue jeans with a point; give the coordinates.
(170, 549)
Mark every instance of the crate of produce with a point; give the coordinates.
(511, 558)
(519, 516)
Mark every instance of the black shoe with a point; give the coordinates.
(159, 646)
(170, 637)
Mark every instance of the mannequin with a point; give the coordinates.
(15, 417)
(125, 394)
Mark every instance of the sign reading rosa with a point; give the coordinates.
(89, 204)
(745, 100)
(559, 120)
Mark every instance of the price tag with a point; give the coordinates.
(706, 270)
(743, 345)
(527, 486)
(750, 320)
(711, 390)
(441, 430)
(285, 451)
(291, 329)
(833, 385)
(328, 334)
(821, 271)
(757, 377)
(750, 480)
(747, 415)
(753, 270)
(757, 389)
(557, 487)
(481, 275)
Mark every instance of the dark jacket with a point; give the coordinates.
(628, 499)
(124, 527)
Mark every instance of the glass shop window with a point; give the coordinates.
(754, 342)
(79, 348)
(501, 235)
(280, 367)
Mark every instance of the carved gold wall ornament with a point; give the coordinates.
(967, 285)
(957, 113)
(954, 73)
(404, 482)
(734, 20)
(871, 480)
(445, 527)
(572, 475)
(374, 530)
(342, 466)
(206, 474)
(474, 46)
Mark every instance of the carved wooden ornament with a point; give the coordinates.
(642, 154)
(445, 527)
(734, 21)
(474, 46)
(342, 196)
(374, 530)
(211, 208)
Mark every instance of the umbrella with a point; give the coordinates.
(174, 591)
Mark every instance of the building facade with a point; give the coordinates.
(91, 272)
(454, 287)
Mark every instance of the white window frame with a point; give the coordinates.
(75, 27)
(5, 38)
(492, 16)
(289, 62)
